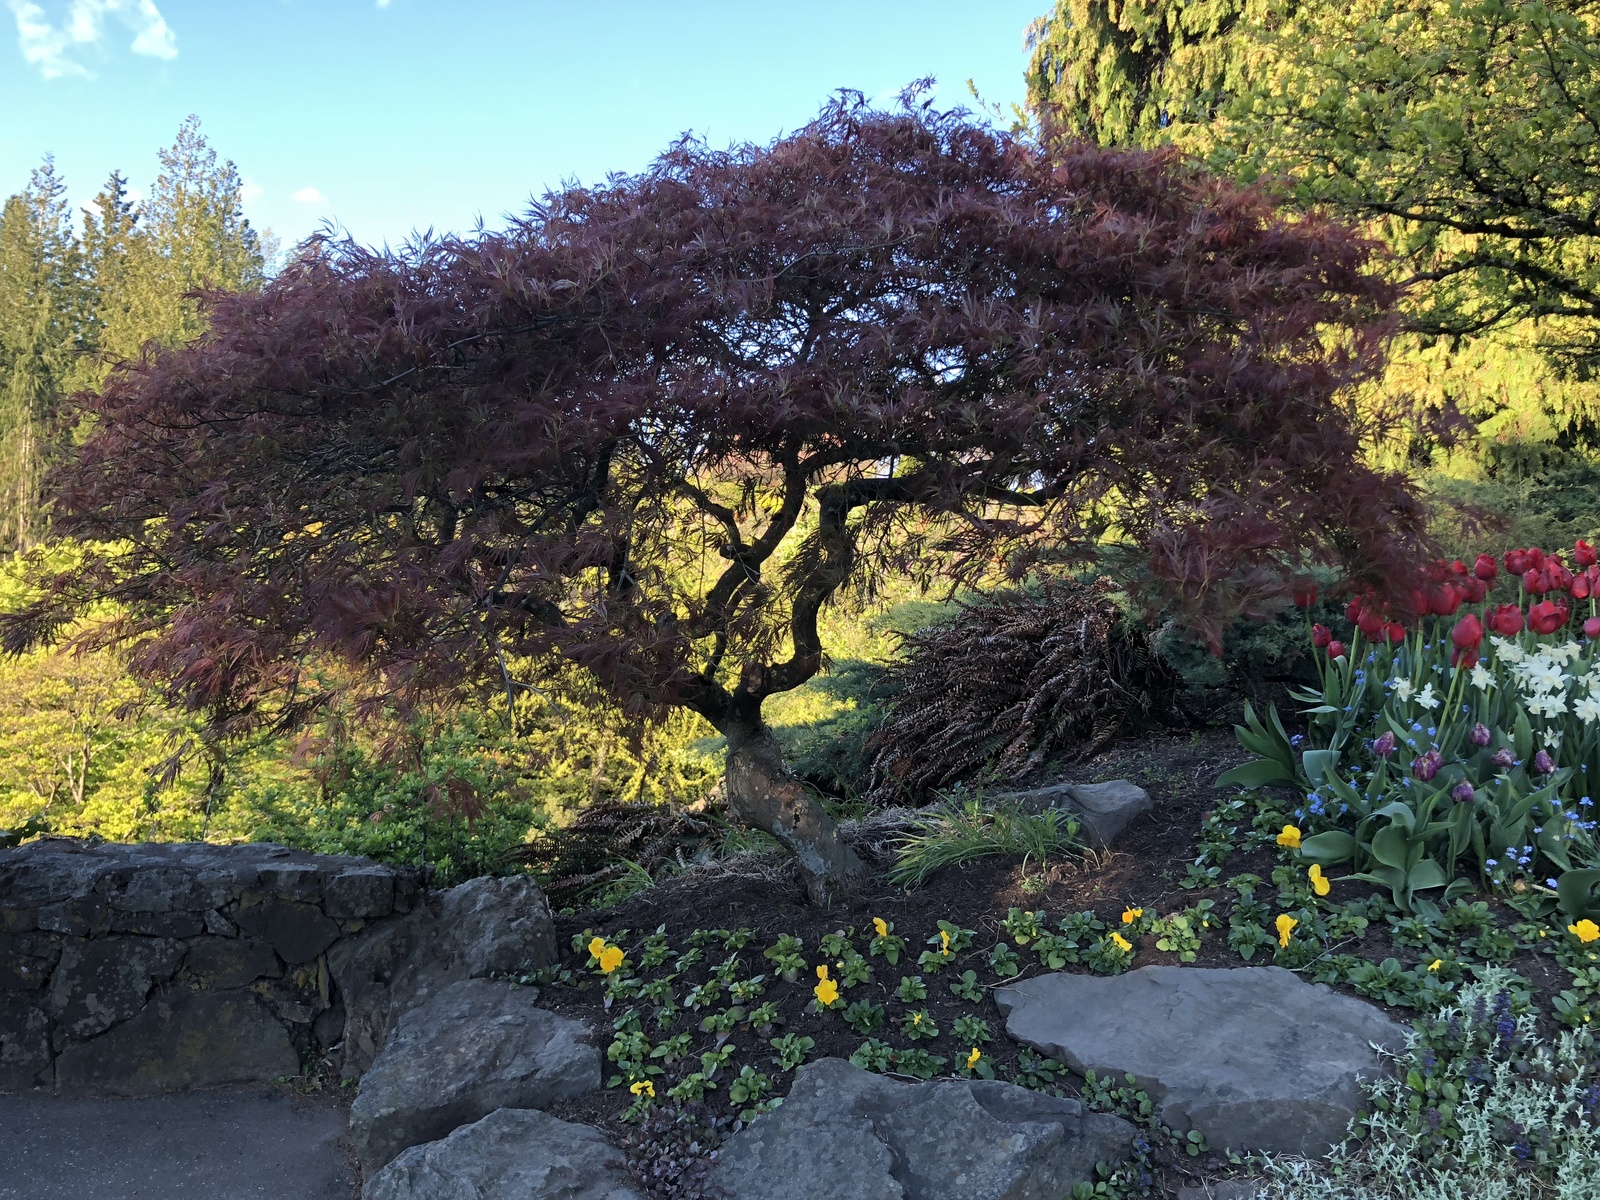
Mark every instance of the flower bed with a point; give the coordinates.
(1454, 754)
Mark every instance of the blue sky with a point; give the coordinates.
(393, 115)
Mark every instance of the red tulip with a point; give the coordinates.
(1304, 592)
(1580, 587)
(1353, 610)
(1370, 623)
(1444, 600)
(1336, 649)
(1476, 589)
(1321, 635)
(1394, 632)
(1583, 554)
(1485, 569)
(1468, 633)
(1547, 616)
(1534, 582)
(1506, 620)
(1516, 562)
(1591, 628)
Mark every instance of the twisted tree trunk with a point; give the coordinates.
(764, 793)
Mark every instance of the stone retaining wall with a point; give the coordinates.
(127, 969)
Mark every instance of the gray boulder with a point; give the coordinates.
(181, 1040)
(847, 1132)
(475, 1046)
(1103, 810)
(481, 927)
(1253, 1057)
(511, 1154)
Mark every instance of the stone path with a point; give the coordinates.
(226, 1144)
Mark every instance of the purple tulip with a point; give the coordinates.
(1504, 758)
(1480, 735)
(1426, 766)
(1543, 763)
(1463, 793)
(1384, 746)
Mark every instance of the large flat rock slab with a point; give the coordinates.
(229, 1144)
(512, 1154)
(1253, 1057)
(475, 1046)
(847, 1132)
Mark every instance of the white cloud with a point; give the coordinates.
(52, 47)
(251, 190)
(308, 195)
(384, 3)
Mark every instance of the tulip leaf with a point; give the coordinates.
(1522, 737)
(1399, 812)
(1319, 763)
(1391, 847)
(1578, 893)
(1426, 874)
(1255, 774)
(1330, 848)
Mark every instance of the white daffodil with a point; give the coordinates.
(1427, 699)
(1506, 649)
(1482, 678)
(1586, 709)
(1540, 676)
(1403, 689)
(1563, 653)
(1547, 706)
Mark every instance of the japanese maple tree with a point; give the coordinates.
(652, 428)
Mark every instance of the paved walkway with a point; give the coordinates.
(224, 1144)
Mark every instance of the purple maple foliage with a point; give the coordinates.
(652, 428)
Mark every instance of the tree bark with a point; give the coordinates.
(762, 792)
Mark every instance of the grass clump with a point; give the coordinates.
(955, 833)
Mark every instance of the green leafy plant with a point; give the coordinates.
(918, 1025)
(792, 1050)
(787, 956)
(1003, 961)
(967, 987)
(873, 1055)
(911, 989)
(971, 1030)
(864, 1016)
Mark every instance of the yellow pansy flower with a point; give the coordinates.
(1436, 964)
(1130, 915)
(1122, 943)
(826, 992)
(944, 938)
(596, 945)
(1285, 925)
(610, 958)
(1585, 931)
(881, 926)
(1319, 881)
(643, 1088)
(972, 1059)
(822, 970)
(1289, 838)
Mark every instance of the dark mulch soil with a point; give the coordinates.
(1143, 870)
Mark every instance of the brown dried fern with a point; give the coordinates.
(1015, 679)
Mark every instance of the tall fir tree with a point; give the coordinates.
(191, 233)
(42, 338)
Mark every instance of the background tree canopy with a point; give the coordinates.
(1463, 134)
